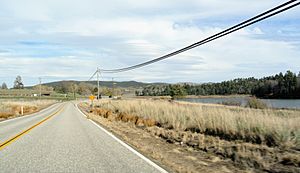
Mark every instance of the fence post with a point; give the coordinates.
(22, 110)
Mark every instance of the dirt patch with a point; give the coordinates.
(189, 151)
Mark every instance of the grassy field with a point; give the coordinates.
(256, 140)
(11, 108)
(266, 126)
(31, 94)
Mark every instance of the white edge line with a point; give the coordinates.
(29, 115)
(125, 145)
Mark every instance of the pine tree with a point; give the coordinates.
(4, 86)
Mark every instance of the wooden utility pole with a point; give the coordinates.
(113, 88)
(98, 86)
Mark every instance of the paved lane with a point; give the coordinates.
(68, 142)
(12, 127)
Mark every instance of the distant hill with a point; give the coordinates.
(123, 84)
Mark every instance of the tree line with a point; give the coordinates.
(279, 86)
(84, 88)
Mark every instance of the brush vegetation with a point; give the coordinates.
(280, 128)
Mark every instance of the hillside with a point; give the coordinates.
(279, 86)
(123, 84)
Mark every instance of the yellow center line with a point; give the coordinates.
(11, 140)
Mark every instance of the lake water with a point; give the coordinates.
(274, 103)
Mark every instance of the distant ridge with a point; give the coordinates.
(122, 84)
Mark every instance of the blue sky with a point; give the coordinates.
(68, 39)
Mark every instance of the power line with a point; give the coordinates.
(98, 84)
(93, 75)
(274, 11)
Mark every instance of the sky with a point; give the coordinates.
(69, 39)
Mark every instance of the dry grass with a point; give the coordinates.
(10, 109)
(139, 121)
(271, 127)
(246, 156)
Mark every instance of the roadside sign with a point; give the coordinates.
(91, 97)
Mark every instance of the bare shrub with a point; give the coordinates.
(231, 103)
(256, 103)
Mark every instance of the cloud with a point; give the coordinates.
(49, 38)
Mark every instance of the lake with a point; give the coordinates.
(274, 103)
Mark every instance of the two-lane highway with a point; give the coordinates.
(61, 139)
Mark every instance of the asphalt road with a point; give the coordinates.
(66, 142)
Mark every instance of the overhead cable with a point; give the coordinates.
(265, 15)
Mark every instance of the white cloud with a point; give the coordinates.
(114, 34)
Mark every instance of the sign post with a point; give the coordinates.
(22, 110)
(92, 97)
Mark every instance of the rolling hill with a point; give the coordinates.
(123, 84)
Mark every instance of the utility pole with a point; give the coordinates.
(40, 79)
(113, 87)
(74, 90)
(98, 93)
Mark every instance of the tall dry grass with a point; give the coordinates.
(266, 126)
(10, 108)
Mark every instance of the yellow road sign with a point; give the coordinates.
(91, 97)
